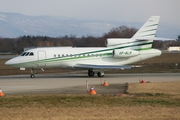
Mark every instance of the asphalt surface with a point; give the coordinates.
(76, 83)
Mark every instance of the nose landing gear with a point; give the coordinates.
(32, 73)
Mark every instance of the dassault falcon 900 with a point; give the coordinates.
(119, 53)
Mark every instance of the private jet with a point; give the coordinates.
(119, 53)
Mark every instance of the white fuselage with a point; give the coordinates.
(67, 57)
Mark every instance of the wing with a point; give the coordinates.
(89, 66)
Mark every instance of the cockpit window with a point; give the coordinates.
(23, 53)
(31, 54)
(27, 54)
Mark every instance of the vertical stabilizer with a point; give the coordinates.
(148, 30)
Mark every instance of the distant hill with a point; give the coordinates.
(15, 25)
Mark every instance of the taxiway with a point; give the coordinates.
(76, 83)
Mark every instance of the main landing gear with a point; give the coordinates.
(99, 74)
(32, 73)
(91, 73)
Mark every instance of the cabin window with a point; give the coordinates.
(23, 53)
(31, 54)
(62, 55)
(54, 55)
(59, 55)
(27, 54)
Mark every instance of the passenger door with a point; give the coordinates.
(41, 58)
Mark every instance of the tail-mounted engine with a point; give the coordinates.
(124, 53)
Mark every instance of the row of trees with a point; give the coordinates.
(16, 45)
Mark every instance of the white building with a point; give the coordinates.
(174, 48)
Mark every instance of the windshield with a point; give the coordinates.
(27, 54)
(23, 53)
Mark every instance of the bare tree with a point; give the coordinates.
(178, 39)
(120, 32)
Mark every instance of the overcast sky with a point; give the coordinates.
(107, 10)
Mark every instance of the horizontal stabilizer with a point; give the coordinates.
(154, 38)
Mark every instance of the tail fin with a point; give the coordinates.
(148, 30)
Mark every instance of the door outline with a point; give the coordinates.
(41, 57)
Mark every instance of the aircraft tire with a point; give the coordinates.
(32, 76)
(90, 73)
(100, 75)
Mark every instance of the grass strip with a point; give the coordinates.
(48, 101)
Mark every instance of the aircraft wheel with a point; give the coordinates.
(32, 73)
(90, 73)
(32, 76)
(100, 74)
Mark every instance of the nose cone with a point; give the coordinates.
(9, 62)
(13, 61)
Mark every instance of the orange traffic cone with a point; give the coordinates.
(1, 93)
(143, 81)
(92, 91)
(105, 83)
